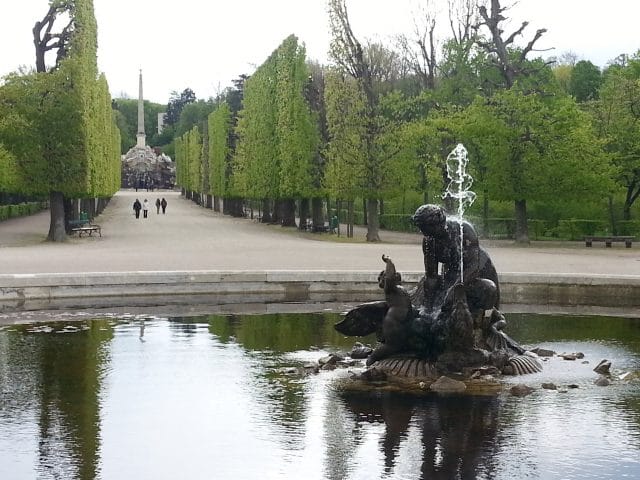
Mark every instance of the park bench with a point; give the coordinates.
(80, 221)
(88, 230)
(83, 225)
(608, 240)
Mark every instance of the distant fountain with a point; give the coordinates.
(451, 323)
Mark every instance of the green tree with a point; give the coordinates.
(349, 55)
(585, 80)
(8, 171)
(176, 103)
(618, 117)
(277, 134)
(127, 121)
(69, 146)
(346, 152)
(219, 124)
(296, 129)
(537, 147)
(193, 114)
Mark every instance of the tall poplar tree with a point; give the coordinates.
(347, 52)
(277, 134)
(70, 145)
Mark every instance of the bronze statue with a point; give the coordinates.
(448, 323)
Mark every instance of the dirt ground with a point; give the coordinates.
(189, 237)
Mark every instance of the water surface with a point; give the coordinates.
(213, 397)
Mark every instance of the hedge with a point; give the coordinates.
(628, 227)
(576, 229)
(19, 210)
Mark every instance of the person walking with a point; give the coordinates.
(136, 207)
(145, 208)
(163, 204)
(157, 205)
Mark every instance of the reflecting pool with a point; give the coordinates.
(217, 397)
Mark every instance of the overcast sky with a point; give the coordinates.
(205, 44)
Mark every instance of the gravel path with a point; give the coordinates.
(190, 237)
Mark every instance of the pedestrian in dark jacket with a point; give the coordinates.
(163, 204)
(157, 205)
(137, 206)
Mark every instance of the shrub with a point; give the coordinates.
(628, 227)
(397, 222)
(19, 210)
(576, 229)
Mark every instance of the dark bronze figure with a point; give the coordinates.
(448, 323)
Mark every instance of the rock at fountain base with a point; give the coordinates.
(462, 361)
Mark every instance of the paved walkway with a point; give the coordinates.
(190, 237)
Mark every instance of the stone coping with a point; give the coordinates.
(30, 292)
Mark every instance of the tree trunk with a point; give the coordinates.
(317, 214)
(288, 212)
(266, 211)
(485, 213)
(364, 211)
(373, 223)
(522, 230)
(57, 232)
(612, 217)
(350, 216)
(304, 213)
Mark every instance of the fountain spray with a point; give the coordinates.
(459, 188)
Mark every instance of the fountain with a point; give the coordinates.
(450, 325)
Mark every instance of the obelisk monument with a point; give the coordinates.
(141, 139)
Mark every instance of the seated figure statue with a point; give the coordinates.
(441, 251)
(443, 325)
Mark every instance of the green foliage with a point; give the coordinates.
(219, 123)
(628, 227)
(296, 127)
(8, 171)
(277, 132)
(127, 131)
(585, 81)
(176, 103)
(194, 114)
(562, 74)
(576, 229)
(58, 126)
(127, 120)
(346, 152)
(617, 117)
(536, 146)
(189, 160)
(397, 222)
(19, 210)
(255, 163)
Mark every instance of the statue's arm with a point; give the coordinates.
(471, 255)
(429, 254)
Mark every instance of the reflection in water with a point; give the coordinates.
(226, 397)
(456, 435)
(58, 373)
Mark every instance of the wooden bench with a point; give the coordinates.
(88, 229)
(608, 240)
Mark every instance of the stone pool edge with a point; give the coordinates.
(548, 292)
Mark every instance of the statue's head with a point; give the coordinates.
(382, 276)
(430, 219)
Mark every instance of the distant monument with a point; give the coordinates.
(142, 166)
